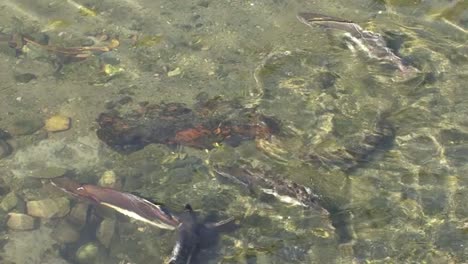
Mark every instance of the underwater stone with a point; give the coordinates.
(49, 173)
(28, 184)
(49, 208)
(5, 149)
(25, 77)
(181, 175)
(109, 180)
(66, 233)
(25, 127)
(78, 214)
(57, 123)
(18, 221)
(9, 202)
(87, 253)
(175, 72)
(106, 231)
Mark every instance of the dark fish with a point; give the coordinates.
(125, 203)
(283, 189)
(194, 235)
(371, 43)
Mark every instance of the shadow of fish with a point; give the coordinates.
(371, 43)
(193, 234)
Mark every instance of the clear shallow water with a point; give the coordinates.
(408, 202)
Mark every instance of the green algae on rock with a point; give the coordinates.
(49, 173)
(9, 201)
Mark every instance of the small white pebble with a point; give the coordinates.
(19, 98)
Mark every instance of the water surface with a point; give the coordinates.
(406, 204)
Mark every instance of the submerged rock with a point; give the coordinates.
(88, 253)
(5, 149)
(105, 231)
(175, 72)
(78, 214)
(66, 233)
(26, 126)
(77, 154)
(58, 123)
(18, 221)
(34, 246)
(49, 208)
(25, 77)
(110, 180)
(9, 202)
(49, 173)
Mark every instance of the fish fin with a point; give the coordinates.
(151, 200)
(227, 225)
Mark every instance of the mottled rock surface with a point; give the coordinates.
(18, 221)
(49, 208)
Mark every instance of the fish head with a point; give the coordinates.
(72, 187)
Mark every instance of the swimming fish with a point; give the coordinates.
(371, 43)
(127, 204)
(193, 234)
(283, 189)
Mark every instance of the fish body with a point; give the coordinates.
(127, 204)
(283, 189)
(315, 19)
(371, 43)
